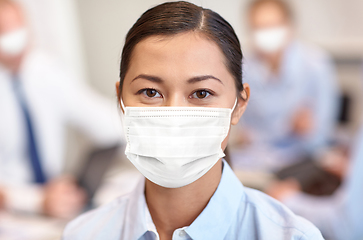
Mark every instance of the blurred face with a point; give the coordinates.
(13, 35)
(270, 28)
(181, 70)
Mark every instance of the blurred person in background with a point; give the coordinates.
(339, 216)
(38, 99)
(295, 101)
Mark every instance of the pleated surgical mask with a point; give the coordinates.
(175, 146)
(270, 40)
(14, 43)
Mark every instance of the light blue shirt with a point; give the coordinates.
(340, 216)
(233, 212)
(306, 79)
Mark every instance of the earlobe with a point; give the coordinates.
(117, 88)
(119, 95)
(241, 104)
(238, 112)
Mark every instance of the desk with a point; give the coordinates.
(15, 226)
(255, 179)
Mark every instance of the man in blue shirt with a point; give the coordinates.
(294, 102)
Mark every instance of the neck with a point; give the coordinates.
(13, 64)
(173, 208)
(274, 62)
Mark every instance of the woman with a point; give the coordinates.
(180, 89)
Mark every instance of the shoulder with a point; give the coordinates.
(314, 56)
(104, 222)
(271, 217)
(37, 58)
(41, 64)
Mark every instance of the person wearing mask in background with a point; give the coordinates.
(295, 101)
(38, 99)
(180, 90)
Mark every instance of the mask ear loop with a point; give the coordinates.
(122, 105)
(235, 104)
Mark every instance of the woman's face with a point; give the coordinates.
(182, 70)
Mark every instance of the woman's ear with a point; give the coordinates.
(241, 104)
(119, 95)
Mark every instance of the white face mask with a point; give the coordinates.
(14, 43)
(270, 40)
(175, 146)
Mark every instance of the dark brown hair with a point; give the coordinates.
(171, 18)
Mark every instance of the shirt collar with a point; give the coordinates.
(136, 224)
(217, 217)
(212, 223)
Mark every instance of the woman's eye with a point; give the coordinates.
(151, 93)
(201, 94)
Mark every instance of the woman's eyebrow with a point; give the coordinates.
(191, 80)
(204, 77)
(148, 77)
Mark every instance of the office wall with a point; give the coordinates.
(55, 28)
(333, 24)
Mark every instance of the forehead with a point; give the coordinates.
(181, 56)
(267, 14)
(10, 17)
